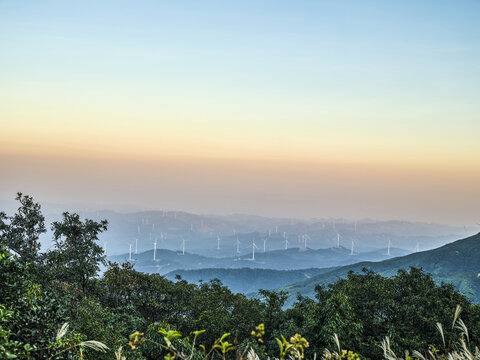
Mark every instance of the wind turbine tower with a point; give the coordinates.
(183, 246)
(238, 246)
(155, 250)
(136, 246)
(218, 242)
(351, 251)
(265, 245)
(286, 242)
(388, 248)
(338, 240)
(130, 253)
(417, 248)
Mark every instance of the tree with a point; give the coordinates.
(22, 230)
(77, 256)
(34, 313)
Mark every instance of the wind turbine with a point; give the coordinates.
(130, 253)
(253, 250)
(338, 240)
(218, 242)
(417, 248)
(388, 248)
(136, 246)
(351, 251)
(286, 242)
(265, 245)
(305, 238)
(238, 246)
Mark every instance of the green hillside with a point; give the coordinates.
(457, 263)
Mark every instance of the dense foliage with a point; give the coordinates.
(151, 317)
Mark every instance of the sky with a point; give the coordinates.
(338, 108)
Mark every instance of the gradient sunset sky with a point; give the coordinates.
(281, 108)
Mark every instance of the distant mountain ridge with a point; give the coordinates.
(290, 259)
(169, 228)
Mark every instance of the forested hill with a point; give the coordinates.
(247, 280)
(456, 263)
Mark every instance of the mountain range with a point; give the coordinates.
(225, 235)
(290, 259)
(299, 270)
